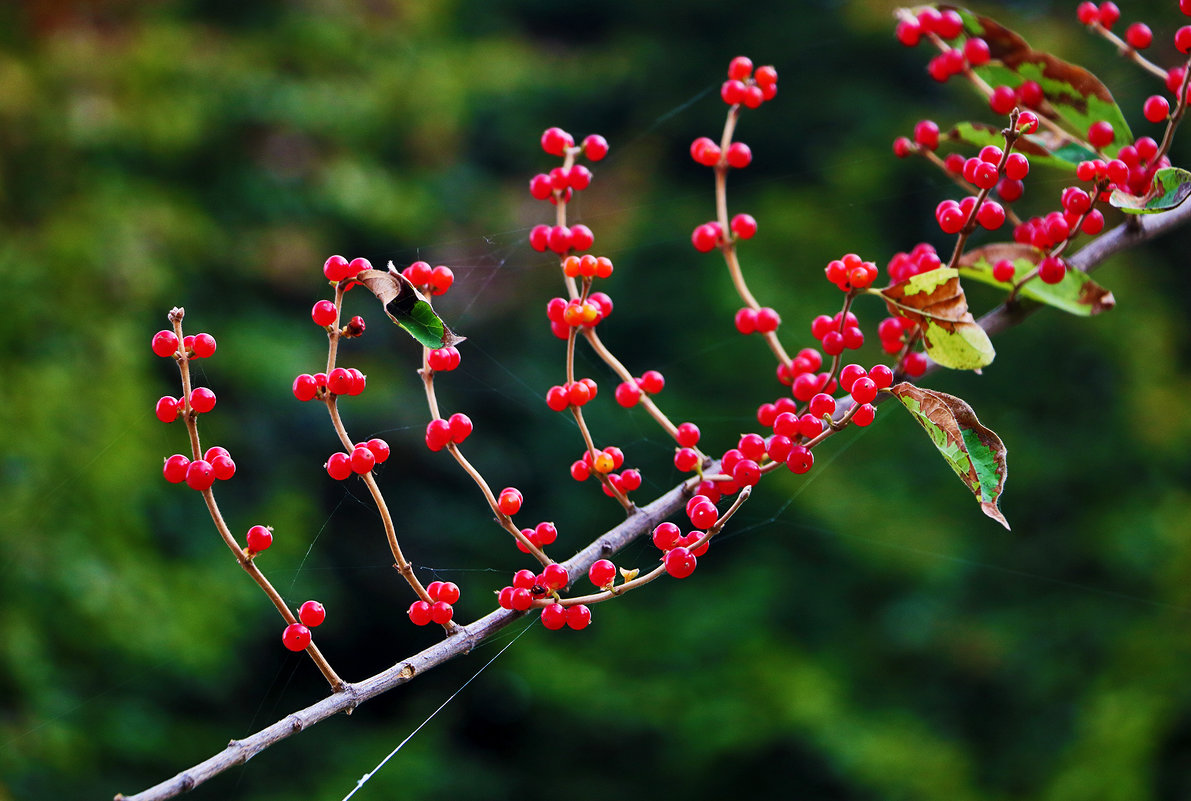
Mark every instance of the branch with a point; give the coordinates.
(1129, 234)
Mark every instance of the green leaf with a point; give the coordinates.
(935, 300)
(1077, 293)
(1044, 148)
(1073, 95)
(1171, 187)
(974, 452)
(408, 307)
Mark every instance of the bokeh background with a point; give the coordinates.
(862, 633)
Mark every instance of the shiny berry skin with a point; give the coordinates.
(665, 536)
(686, 459)
(882, 376)
(1100, 134)
(339, 466)
(704, 515)
(324, 313)
(339, 381)
(312, 613)
(800, 460)
(222, 465)
(578, 617)
(1156, 109)
(1003, 100)
(628, 394)
(687, 435)
(460, 427)
(555, 141)
(510, 501)
(746, 473)
(601, 573)
(744, 226)
(926, 133)
(902, 147)
(554, 576)
(1087, 13)
(305, 387)
(651, 381)
(1139, 36)
(204, 346)
(680, 562)
(1051, 270)
(362, 460)
(976, 51)
(441, 279)
(165, 343)
(259, 538)
(705, 152)
(296, 637)
(335, 269)
(438, 434)
(557, 398)
(167, 409)
(595, 147)
(441, 612)
(419, 613)
(202, 400)
(739, 155)
(1027, 122)
(554, 616)
(864, 415)
(200, 475)
(379, 448)
(863, 390)
(1004, 271)
(822, 404)
(705, 237)
(175, 468)
(908, 32)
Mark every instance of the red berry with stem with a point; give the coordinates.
(555, 141)
(908, 32)
(926, 133)
(665, 535)
(882, 376)
(554, 576)
(680, 562)
(324, 313)
(1108, 14)
(438, 434)
(167, 409)
(864, 415)
(705, 152)
(976, 51)
(362, 460)
(767, 320)
(379, 448)
(335, 268)
(1156, 109)
(822, 404)
(687, 435)
(704, 515)
(202, 400)
(312, 613)
(740, 68)
(705, 237)
(296, 637)
(601, 573)
(339, 381)
(863, 390)
(441, 612)
(165, 343)
(595, 147)
(175, 468)
(204, 346)
(1087, 13)
(746, 320)
(510, 501)
(1002, 100)
(1051, 270)
(744, 226)
(460, 427)
(1139, 36)
(223, 466)
(651, 381)
(259, 538)
(628, 394)
(305, 387)
(441, 279)
(739, 155)
(686, 459)
(1004, 271)
(799, 460)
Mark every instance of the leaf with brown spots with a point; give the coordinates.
(1077, 293)
(407, 307)
(935, 300)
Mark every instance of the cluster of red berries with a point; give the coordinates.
(558, 185)
(202, 400)
(710, 235)
(442, 431)
(603, 463)
(679, 552)
(436, 281)
(948, 25)
(362, 459)
(746, 86)
(577, 394)
(1028, 94)
(541, 535)
(762, 321)
(200, 474)
(850, 272)
(439, 609)
(199, 346)
(565, 315)
(1131, 171)
(628, 393)
(337, 268)
(1105, 15)
(587, 266)
(528, 587)
(686, 458)
(443, 360)
(340, 381)
(837, 334)
(296, 636)
(921, 259)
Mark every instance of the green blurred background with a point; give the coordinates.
(862, 633)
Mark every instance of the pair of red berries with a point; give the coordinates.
(560, 238)
(437, 280)
(576, 393)
(440, 431)
(541, 535)
(202, 400)
(296, 636)
(361, 460)
(337, 268)
(199, 346)
(628, 394)
(200, 474)
(556, 142)
(443, 360)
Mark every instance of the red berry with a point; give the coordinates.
(902, 147)
(223, 466)
(554, 576)
(202, 400)
(976, 51)
(881, 375)
(601, 573)
(864, 415)
(1139, 36)
(746, 320)
(1051, 270)
(1003, 100)
(926, 133)
(628, 394)
(296, 637)
(578, 617)
(686, 459)
(687, 435)
(705, 152)
(460, 427)
(739, 155)
(165, 343)
(767, 320)
(991, 215)
(1108, 14)
(379, 448)
(419, 613)
(175, 468)
(1004, 271)
(438, 434)
(908, 32)
(1087, 13)
(167, 409)
(324, 313)
(510, 501)
(339, 466)
(704, 515)
(800, 460)
(651, 382)
(665, 536)
(555, 141)
(441, 279)
(339, 381)
(822, 404)
(705, 237)
(554, 616)
(441, 612)
(312, 613)
(740, 68)
(362, 460)
(595, 147)
(259, 538)
(199, 475)
(680, 562)
(744, 226)
(950, 24)
(1100, 134)
(305, 387)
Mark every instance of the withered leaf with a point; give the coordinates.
(408, 308)
(935, 300)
